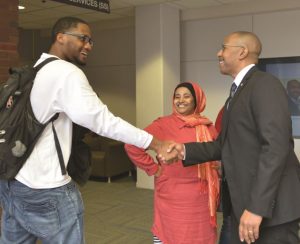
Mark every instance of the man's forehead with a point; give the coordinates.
(84, 28)
(294, 82)
(230, 37)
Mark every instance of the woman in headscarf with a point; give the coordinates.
(185, 199)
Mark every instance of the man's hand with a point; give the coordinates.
(171, 152)
(167, 151)
(249, 227)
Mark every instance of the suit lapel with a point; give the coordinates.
(232, 101)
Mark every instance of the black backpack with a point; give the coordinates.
(80, 161)
(20, 130)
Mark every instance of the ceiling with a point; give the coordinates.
(40, 14)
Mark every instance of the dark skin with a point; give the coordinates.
(241, 51)
(293, 88)
(71, 48)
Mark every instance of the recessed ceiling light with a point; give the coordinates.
(20, 7)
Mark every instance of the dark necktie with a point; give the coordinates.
(232, 91)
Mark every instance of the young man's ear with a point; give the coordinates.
(60, 37)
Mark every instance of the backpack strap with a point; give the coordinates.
(46, 61)
(58, 149)
(57, 144)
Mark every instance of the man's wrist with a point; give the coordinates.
(155, 144)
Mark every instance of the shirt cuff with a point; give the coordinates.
(148, 141)
(184, 152)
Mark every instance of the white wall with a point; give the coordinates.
(111, 66)
(201, 40)
(157, 66)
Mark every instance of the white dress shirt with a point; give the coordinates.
(240, 76)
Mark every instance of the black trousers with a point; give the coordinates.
(280, 234)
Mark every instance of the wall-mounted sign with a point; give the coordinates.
(98, 5)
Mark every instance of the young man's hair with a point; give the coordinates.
(65, 24)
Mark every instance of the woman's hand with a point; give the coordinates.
(158, 172)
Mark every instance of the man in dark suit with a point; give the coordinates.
(261, 180)
(293, 91)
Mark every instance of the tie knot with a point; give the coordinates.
(233, 89)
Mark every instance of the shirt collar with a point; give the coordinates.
(240, 76)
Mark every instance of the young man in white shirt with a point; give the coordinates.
(41, 203)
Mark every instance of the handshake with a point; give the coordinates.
(169, 151)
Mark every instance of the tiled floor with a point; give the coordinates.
(117, 212)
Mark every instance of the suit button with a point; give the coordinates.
(273, 204)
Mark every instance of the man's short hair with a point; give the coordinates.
(65, 24)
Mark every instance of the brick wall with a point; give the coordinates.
(8, 39)
(8, 36)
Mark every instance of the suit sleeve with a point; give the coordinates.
(196, 152)
(270, 112)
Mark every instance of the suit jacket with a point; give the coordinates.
(256, 148)
(293, 107)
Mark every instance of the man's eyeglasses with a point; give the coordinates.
(81, 37)
(228, 45)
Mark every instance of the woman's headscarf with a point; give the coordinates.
(206, 171)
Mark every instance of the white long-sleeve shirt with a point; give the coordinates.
(61, 87)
